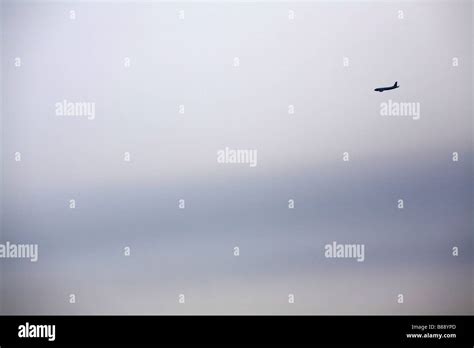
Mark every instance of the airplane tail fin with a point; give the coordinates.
(396, 84)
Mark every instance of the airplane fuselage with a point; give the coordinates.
(381, 89)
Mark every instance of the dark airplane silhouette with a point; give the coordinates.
(381, 89)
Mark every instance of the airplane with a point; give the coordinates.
(381, 89)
